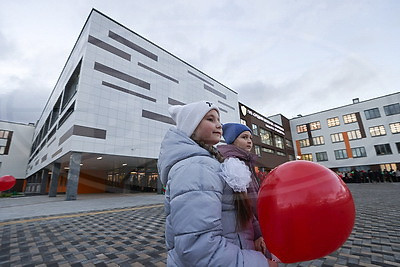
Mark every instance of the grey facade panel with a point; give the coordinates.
(226, 105)
(212, 90)
(109, 48)
(158, 117)
(132, 45)
(157, 72)
(89, 132)
(119, 88)
(120, 75)
(65, 136)
(56, 153)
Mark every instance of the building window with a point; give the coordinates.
(301, 128)
(332, 122)
(398, 147)
(372, 113)
(255, 129)
(315, 125)
(291, 157)
(341, 154)
(304, 142)
(349, 118)
(279, 153)
(383, 149)
(279, 141)
(377, 130)
(257, 150)
(359, 152)
(392, 109)
(242, 121)
(266, 137)
(4, 134)
(318, 140)
(71, 87)
(268, 150)
(307, 157)
(337, 137)
(395, 127)
(289, 143)
(2, 150)
(321, 156)
(353, 135)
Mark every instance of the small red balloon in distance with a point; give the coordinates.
(7, 182)
(305, 211)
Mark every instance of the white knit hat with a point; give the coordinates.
(187, 117)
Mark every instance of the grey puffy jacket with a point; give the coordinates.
(200, 228)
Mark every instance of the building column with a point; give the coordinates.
(55, 173)
(73, 175)
(43, 181)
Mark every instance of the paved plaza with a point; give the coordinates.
(128, 230)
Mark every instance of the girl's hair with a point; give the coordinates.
(241, 200)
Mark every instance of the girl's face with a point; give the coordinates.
(244, 141)
(209, 129)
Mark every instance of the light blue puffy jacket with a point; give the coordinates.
(200, 228)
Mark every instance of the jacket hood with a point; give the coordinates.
(175, 147)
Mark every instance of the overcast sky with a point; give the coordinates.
(283, 56)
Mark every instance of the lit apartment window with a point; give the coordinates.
(3, 134)
(301, 128)
(255, 129)
(383, 149)
(377, 130)
(289, 143)
(392, 109)
(307, 157)
(318, 140)
(321, 156)
(337, 137)
(266, 137)
(395, 127)
(279, 153)
(304, 142)
(268, 150)
(2, 150)
(279, 141)
(341, 154)
(349, 118)
(242, 121)
(332, 122)
(372, 113)
(257, 150)
(353, 135)
(359, 152)
(315, 125)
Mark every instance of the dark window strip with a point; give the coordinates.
(212, 90)
(65, 136)
(174, 102)
(120, 75)
(158, 117)
(223, 110)
(109, 48)
(116, 87)
(157, 72)
(226, 105)
(8, 144)
(89, 132)
(37, 162)
(51, 142)
(360, 125)
(132, 45)
(198, 77)
(44, 158)
(57, 152)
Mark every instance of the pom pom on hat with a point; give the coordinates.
(231, 131)
(187, 117)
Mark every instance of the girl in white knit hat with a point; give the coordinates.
(201, 227)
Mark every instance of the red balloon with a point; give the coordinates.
(305, 211)
(7, 182)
